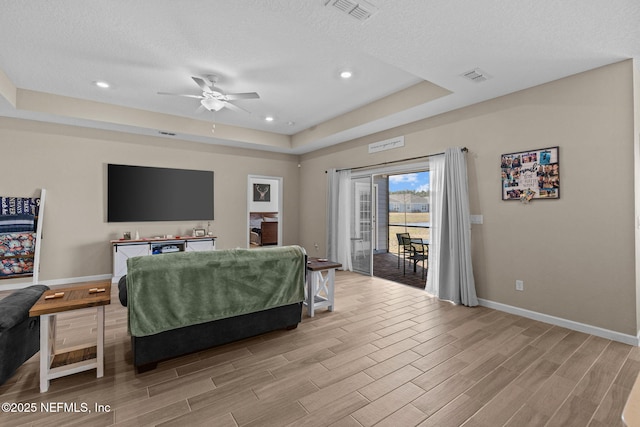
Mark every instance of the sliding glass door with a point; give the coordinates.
(362, 225)
(366, 207)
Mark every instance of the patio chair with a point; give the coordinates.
(419, 252)
(404, 246)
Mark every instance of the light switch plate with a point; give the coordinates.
(476, 219)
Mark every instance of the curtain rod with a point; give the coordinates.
(463, 149)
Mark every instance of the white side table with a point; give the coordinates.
(319, 289)
(54, 365)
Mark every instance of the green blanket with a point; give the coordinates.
(170, 291)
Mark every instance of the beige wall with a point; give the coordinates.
(71, 164)
(575, 255)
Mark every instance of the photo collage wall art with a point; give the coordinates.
(533, 174)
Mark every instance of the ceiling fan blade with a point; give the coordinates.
(247, 95)
(214, 98)
(180, 94)
(235, 107)
(203, 85)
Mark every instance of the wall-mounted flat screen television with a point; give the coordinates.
(141, 193)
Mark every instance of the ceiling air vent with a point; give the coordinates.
(476, 75)
(360, 10)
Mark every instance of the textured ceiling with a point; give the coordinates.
(290, 52)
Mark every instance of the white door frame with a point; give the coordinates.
(374, 220)
(278, 204)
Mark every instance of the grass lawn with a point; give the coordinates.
(414, 232)
(399, 217)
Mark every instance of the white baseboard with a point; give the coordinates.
(558, 321)
(56, 282)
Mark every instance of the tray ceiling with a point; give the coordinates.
(408, 61)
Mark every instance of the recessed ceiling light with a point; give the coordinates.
(346, 74)
(102, 84)
(269, 118)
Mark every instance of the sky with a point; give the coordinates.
(411, 181)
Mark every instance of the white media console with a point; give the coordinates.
(125, 249)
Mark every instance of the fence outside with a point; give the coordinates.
(416, 224)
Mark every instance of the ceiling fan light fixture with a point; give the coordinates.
(212, 104)
(215, 99)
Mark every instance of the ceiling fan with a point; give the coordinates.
(214, 98)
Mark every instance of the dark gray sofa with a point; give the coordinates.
(186, 302)
(149, 350)
(19, 333)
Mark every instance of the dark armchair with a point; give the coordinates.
(404, 246)
(19, 333)
(420, 252)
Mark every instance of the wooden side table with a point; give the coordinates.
(319, 292)
(54, 365)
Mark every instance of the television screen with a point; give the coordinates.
(140, 193)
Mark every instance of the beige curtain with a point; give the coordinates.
(450, 275)
(339, 218)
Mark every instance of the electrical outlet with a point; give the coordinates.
(519, 285)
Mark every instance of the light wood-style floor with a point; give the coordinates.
(390, 355)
